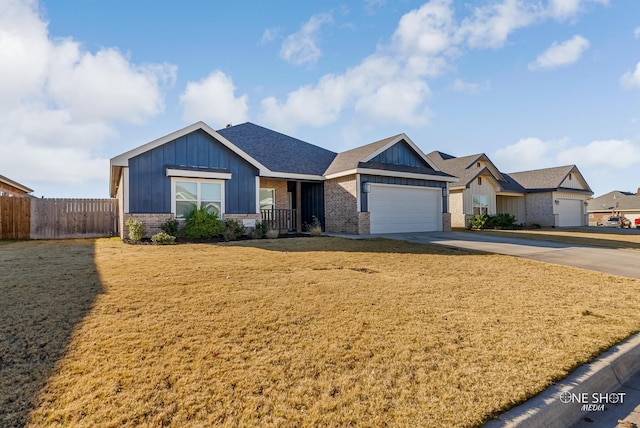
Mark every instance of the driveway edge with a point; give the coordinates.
(607, 373)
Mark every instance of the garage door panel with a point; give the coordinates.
(396, 209)
(570, 212)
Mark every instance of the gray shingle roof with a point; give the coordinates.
(616, 200)
(545, 178)
(350, 159)
(460, 167)
(279, 152)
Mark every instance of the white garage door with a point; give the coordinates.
(396, 209)
(570, 213)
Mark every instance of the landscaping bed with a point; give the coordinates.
(291, 332)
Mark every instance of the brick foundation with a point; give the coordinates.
(364, 223)
(446, 222)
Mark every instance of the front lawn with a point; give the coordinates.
(291, 332)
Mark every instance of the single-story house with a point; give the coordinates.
(549, 197)
(623, 203)
(9, 187)
(251, 173)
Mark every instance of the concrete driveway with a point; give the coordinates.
(612, 261)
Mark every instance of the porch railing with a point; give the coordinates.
(280, 219)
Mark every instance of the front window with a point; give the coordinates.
(267, 199)
(190, 193)
(480, 204)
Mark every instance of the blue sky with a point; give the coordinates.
(532, 84)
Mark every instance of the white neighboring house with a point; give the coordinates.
(549, 197)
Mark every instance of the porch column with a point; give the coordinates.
(299, 205)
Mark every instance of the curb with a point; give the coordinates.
(607, 373)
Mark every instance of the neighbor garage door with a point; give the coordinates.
(570, 213)
(395, 209)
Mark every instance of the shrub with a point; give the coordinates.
(201, 223)
(170, 227)
(315, 228)
(503, 221)
(478, 221)
(233, 229)
(260, 230)
(163, 238)
(137, 229)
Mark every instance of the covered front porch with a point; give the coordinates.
(511, 203)
(291, 205)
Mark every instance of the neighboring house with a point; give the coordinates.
(12, 188)
(624, 203)
(251, 173)
(550, 197)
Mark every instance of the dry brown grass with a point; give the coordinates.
(597, 236)
(310, 331)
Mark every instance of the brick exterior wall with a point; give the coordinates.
(364, 223)
(446, 222)
(152, 223)
(280, 186)
(341, 206)
(456, 208)
(539, 209)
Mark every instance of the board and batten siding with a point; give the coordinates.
(400, 154)
(514, 205)
(150, 188)
(486, 188)
(573, 183)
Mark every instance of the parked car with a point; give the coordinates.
(617, 221)
(637, 222)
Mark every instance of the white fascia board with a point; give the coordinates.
(396, 140)
(175, 172)
(272, 174)
(387, 173)
(123, 159)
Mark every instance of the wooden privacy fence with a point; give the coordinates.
(73, 218)
(15, 217)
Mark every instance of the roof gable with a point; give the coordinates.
(397, 152)
(466, 168)
(15, 184)
(546, 179)
(615, 201)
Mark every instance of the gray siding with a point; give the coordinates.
(364, 206)
(150, 188)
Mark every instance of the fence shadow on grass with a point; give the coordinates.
(46, 289)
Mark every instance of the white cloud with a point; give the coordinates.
(270, 34)
(561, 54)
(424, 45)
(490, 25)
(631, 80)
(528, 153)
(302, 47)
(460, 85)
(59, 103)
(636, 32)
(533, 153)
(604, 153)
(213, 99)
(563, 9)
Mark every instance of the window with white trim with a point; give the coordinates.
(190, 193)
(267, 199)
(480, 204)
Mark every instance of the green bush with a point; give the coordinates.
(233, 229)
(261, 229)
(170, 227)
(163, 238)
(478, 221)
(137, 229)
(200, 223)
(503, 221)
